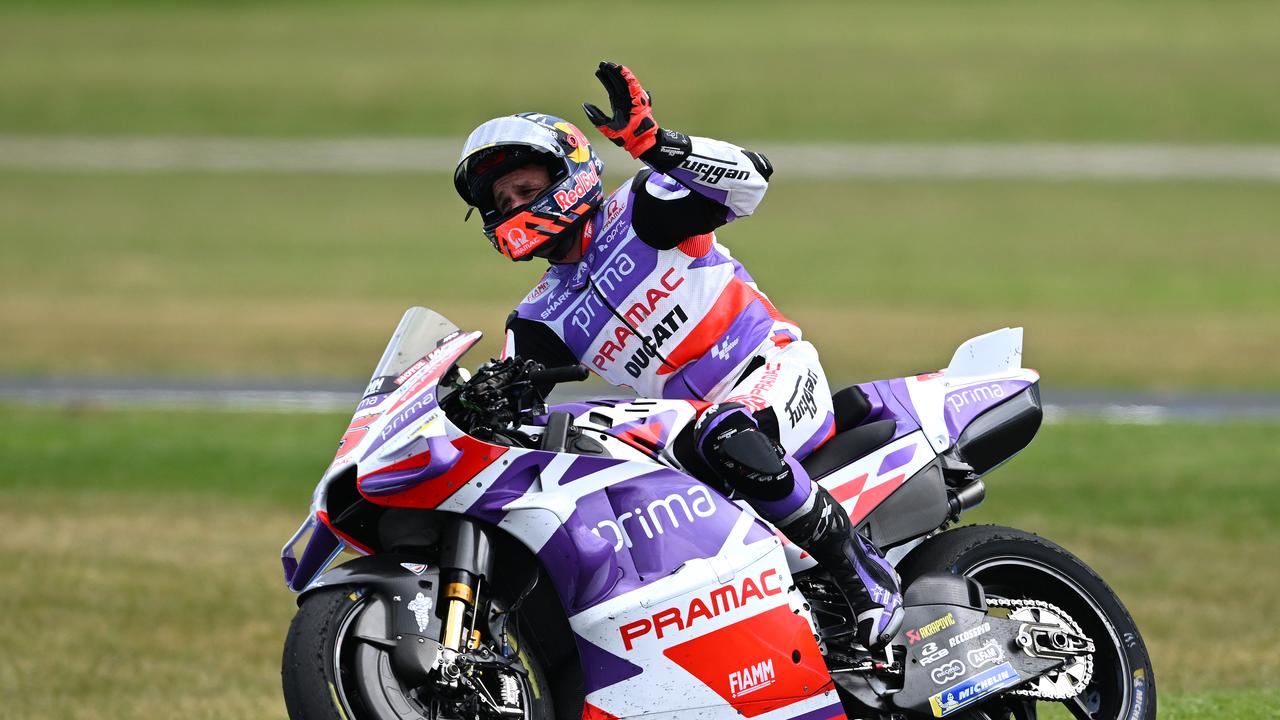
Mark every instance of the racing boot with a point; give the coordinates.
(868, 582)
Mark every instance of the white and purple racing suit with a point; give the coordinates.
(656, 304)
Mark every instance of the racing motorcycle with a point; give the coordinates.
(519, 560)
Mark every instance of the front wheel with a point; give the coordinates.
(1017, 565)
(334, 669)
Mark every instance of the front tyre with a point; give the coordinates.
(1013, 564)
(330, 672)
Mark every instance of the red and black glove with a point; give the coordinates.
(631, 126)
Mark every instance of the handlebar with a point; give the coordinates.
(568, 373)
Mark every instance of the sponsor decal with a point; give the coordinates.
(542, 288)
(801, 402)
(989, 654)
(754, 398)
(924, 631)
(415, 568)
(1139, 693)
(607, 280)
(380, 386)
(414, 368)
(517, 241)
(408, 415)
(658, 517)
(420, 606)
(943, 674)
(931, 653)
(634, 316)
(979, 394)
(751, 678)
(612, 210)
(713, 174)
(970, 691)
(721, 350)
(969, 634)
(584, 181)
(723, 599)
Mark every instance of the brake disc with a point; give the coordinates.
(1065, 682)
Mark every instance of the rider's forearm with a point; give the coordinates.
(720, 171)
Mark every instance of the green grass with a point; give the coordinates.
(141, 548)
(1002, 70)
(1147, 285)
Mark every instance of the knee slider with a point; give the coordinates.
(736, 449)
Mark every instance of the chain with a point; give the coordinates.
(1048, 688)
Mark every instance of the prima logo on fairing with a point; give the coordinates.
(713, 174)
(723, 599)
(407, 415)
(650, 519)
(982, 393)
(751, 678)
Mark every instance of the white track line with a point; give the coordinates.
(1050, 161)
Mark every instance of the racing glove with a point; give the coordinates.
(631, 126)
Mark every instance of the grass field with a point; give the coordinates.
(1004, 70)
(141, 551)
(1163, 285)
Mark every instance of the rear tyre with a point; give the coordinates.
(1014, 564)
(330, 674)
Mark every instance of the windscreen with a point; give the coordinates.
(420, 330)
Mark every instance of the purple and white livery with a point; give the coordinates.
(523, 561)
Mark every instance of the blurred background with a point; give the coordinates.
(212, 215)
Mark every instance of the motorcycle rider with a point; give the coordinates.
(640, 291)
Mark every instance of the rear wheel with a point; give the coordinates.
(1017, 565)
(332, 671)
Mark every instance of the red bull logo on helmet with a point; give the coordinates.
(585, 181)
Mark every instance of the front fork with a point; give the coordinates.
(465, 560)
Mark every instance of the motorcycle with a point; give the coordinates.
(521, 560)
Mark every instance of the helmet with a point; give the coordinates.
(556, 215)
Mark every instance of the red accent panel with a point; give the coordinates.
(849, 489)
(873, 497)
(476, 456)
(732, 301)
(591, 712)
(697, 245)
(324, 518)
(749, 663)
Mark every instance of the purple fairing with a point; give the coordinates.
(601, 668)
(320, 546)
(658, 426)
(624, 536)
(961, 406)
(422, 405)
(699, 377)
(442, 457)
(897, 459)
(825, 713)
(801, 489)
(890, 400)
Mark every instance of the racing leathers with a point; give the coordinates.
(657, 305)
